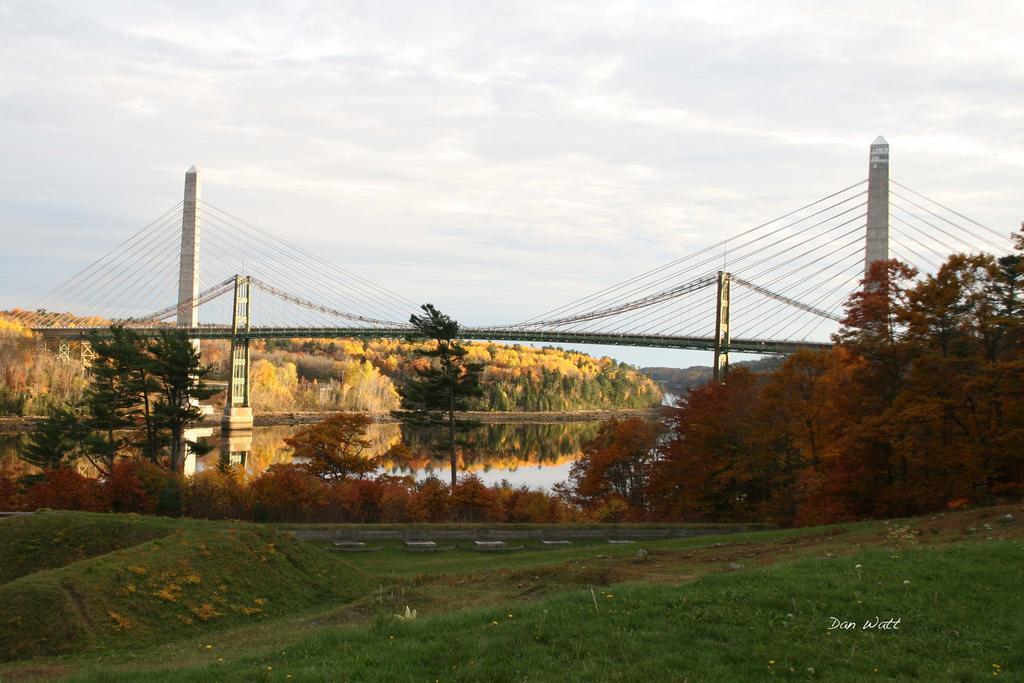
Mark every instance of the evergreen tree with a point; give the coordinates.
(144, 385)
(449, 384)
(55, 441)
(111, 400)
(180, 379)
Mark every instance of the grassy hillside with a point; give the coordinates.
(49, 540)
(192, 577)
(958, 608)
(740, 607)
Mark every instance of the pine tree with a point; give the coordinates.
(449, 384)
(111, 400)
(180, 379)
(56, 441)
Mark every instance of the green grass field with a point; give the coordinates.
(750, 607)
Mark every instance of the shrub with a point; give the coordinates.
(471, 500)
(10, 496)
(287, 493)
(433, 499)
(213, 494)
(65, 489)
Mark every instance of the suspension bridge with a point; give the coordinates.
(774, 288)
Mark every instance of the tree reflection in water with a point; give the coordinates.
(498, 449)
(492, 447)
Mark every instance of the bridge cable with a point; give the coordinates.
(95, 293)
(309, 255)
(932, 265)
(258, 250)
(785, 290)
(781, 326)
(102, 264)
(576, 303)
(97, 284)
(151, 279)
(949, 250)
(98, 261)
(256, 260)
(735, 258)
(274, 269)
(807, 253)
(272, 263)
(777, 327)
(944, 219)
(858, 275)
(952, 211)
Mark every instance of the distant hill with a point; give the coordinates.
(680, 380)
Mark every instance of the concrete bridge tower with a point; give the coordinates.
(877, 243)
(188, 270)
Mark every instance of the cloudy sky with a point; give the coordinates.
(494, 158)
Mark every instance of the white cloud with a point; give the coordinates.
(549, 149)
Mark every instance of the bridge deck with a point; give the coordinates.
(766, 346)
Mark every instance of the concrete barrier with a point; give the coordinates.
(498, 533)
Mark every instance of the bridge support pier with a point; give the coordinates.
(722, 327)
(237, 411)
(235, 448)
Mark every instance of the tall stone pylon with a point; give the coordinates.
(188, 266)
(877, 243)
(188, 270)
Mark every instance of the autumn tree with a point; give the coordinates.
(336, 447)
(872, 326)
(710, 469)
(153, 385)
(617, 463)
(447, 383)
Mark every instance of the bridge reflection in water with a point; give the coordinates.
(530, 454)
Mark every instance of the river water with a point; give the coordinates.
(534, 455)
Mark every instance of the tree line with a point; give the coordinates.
(918, 407)
(368, 375)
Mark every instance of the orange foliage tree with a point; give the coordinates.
(616, 465)
(335, 448)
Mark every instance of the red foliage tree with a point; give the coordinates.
(65, 489)
(708, 469)
(434, 499)
(616, 464)
(471, 500)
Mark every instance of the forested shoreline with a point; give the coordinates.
(919, 407)
(346, 374)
